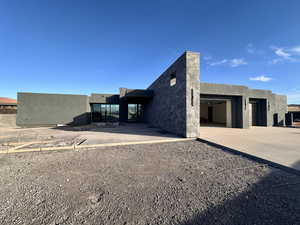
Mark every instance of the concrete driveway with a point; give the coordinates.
(276, 144)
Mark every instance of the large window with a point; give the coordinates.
(105, 112)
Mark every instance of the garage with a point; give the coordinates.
(215, 112)
(257, 112)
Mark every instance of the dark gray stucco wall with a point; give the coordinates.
(35, 109)
(104, 98)
(170, 108)
(222, 89)
(280, 108)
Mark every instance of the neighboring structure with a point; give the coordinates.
(8, 110)
(8, 106)
(293, 116)
(176, 102)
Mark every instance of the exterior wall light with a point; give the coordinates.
(192, 97)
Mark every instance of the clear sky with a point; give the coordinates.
(87, 46)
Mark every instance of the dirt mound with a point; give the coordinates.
(8, 120)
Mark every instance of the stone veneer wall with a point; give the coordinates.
(171, 108)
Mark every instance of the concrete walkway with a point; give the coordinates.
(276, 144)
(14, 140)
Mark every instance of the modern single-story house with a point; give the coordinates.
(176, 102)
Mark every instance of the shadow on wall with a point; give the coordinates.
(275, 200)
(82, 119)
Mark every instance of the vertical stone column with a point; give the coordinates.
(192, 94)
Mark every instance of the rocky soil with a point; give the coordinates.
(172, 183)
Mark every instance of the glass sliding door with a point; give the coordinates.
(132, 115)
(105, 112)
(96, 112)
(135, 112)
(114, 109)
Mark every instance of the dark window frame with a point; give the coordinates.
(110, 114)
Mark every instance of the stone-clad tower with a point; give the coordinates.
(175, 106)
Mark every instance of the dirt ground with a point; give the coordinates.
(172, 183)
(7, 120)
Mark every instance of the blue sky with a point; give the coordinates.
(83, 47)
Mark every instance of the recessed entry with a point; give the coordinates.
(215, 113)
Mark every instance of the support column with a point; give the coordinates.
(245, 112)
(192, 94)
(228, 114)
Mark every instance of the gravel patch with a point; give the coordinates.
(172, 183)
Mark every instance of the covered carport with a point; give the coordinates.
(220, 111)
(257, 112)
(215, 112)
